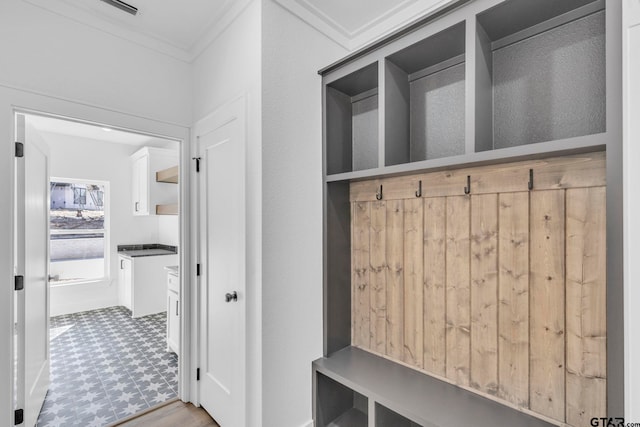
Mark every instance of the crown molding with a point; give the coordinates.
(182, 53)
(327, 27)
(218, 26)
(398, 16)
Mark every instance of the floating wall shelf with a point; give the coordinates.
(169, 175)
(169, 209)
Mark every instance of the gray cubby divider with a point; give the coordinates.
(352, 121)
(425, 99)
(339, 406)
(545, 62)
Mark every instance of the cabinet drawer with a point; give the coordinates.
(173, 283)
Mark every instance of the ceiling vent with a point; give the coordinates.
(122, 6)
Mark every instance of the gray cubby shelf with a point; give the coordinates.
(409, 398)
(577, 145)
(425, 98)
(540, 72)
(352, 121)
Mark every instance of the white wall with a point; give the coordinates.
(50, 54)
(168, 230)
(79, 158)
(293, 52)
(228, 68)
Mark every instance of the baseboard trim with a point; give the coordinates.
(308, 424)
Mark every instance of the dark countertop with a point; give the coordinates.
(152, 249)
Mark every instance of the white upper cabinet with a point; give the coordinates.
(147, 192)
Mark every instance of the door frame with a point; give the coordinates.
(19, 101)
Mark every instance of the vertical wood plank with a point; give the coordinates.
(378, 277)
(361, 223)
(395, 279)
(457, 290)
(513, 308)
(434, 285)
(413, 277)
(586, 305)
(547, 297)
(484, 293)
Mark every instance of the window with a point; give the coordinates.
(78, 237)
(80, 195)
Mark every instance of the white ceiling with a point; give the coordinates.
(183, 28)
(93, 132)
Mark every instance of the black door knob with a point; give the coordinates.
(231, 297)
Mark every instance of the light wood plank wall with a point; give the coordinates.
(501, 291)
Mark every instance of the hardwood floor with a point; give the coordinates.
(173, 414)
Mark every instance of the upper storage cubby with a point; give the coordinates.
(425, 99)
(352, 121)
(540, 72)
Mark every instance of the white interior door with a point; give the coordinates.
(32, 231)
(223, 261)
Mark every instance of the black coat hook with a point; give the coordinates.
(379, 193)
(467, 189)
(419, 191)
(530, 179)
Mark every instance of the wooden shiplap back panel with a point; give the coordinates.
(501, 291)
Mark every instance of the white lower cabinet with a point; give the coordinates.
(125, 276)
(143, 283)
(173, 313)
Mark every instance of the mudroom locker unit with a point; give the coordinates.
(473, 220)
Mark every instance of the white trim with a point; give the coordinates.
(402, 17)
(55, 99)
(308, 424)
(402, 14)
(218, 27)
(316, 22)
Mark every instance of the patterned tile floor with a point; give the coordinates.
(106, 366)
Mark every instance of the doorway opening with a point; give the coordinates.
(111, 291)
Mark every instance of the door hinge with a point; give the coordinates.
(18, 416)
(19, 149)
(19, 282)
(197, 159)
(198, 374)
(197, 269)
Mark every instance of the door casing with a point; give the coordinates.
(24, 102)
